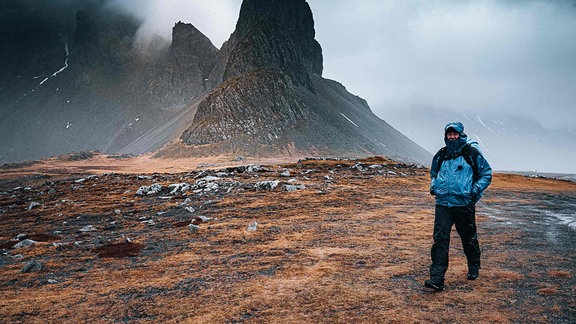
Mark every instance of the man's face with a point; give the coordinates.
(452, 136)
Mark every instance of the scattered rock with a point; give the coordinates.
(360, 167)
(179, 187)
(149, 190)
(186, 202)
(252, 227)
(193, 228)
(291, 188)
(248, 168)
(211, 187)
(32, 266)
(210, 179)
(88, 228)
(266, 185)
(33, 205)
(24, 243)
(285, 174)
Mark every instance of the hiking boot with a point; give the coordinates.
(435, 283)
(473, 272)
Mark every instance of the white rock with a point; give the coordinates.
(34, 205)
(252, 227)
(291, 188)
(211, 187)
(88, 228)
(210, 178)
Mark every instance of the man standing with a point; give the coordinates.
(459, 175)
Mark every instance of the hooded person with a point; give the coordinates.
(458, 176)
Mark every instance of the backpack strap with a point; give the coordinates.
(440, 157)
(468, 152)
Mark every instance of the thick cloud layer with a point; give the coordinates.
(215, 18)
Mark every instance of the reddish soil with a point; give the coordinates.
(350, 245)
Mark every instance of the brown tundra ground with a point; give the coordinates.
(337, 241)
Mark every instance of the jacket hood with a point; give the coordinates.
(455, 146)
(457, 126)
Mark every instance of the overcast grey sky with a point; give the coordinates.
(459, 55)
(515, 57)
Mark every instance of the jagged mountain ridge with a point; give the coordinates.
(267, 94)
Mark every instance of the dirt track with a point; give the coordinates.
(352, 245)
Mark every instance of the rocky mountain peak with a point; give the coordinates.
(275, 34)
(190, 45)
(269, 97)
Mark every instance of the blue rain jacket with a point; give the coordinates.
(453, 182)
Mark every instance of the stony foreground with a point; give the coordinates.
(314, 241)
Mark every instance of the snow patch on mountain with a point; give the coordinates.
(353, 123)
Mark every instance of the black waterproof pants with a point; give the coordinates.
(465, 220)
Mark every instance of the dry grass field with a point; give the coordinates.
(335, 241)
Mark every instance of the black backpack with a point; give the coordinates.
(469, 153)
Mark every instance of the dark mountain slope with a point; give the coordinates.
(83, 83)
